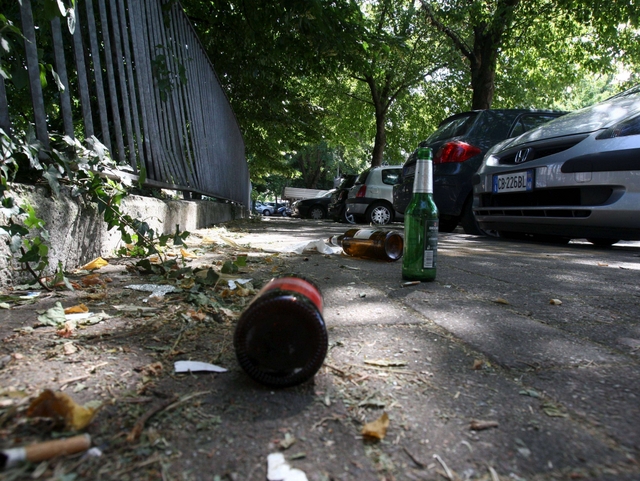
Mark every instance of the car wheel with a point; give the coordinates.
(266, 212)
(447, 224)
(348, 217)
(468, 221)
(316, 212)
(602, 242)
(379, 213)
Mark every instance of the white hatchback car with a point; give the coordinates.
(371, 197)
(577, 176)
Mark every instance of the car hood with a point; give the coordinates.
(589, 119)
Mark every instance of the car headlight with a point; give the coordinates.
(622, 129)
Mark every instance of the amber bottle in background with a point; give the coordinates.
(281, 338)
(370, 244)
(421, 224)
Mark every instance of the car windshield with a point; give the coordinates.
(454, 127)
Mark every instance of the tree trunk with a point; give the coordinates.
(483, 73)
(380, 141)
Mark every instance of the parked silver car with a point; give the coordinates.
(577, 176)
(371, 197)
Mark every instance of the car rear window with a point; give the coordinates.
(362, 178)
(391, 176)
(529, 121)
(453, 127)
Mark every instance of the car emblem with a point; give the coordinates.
(524, 155)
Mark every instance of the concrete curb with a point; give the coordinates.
(78, 234)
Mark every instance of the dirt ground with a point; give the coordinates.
(122, 358)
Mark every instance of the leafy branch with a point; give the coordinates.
(88, 172)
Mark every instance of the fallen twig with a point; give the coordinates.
(139, 425)
(339, 371)
(419, 463)
(494, 474)
(335, 417)
(481, 425)
(445, 467)
(184, 399)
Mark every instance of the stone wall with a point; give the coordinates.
(78, 233)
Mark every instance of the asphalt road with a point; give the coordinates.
(537, 344)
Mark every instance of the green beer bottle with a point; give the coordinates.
(421, 224)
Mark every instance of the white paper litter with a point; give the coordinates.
(232, 282)
(197, 366)
(279, 470)
(319, 244)
(156, 290)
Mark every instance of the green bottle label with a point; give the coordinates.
(430, 244)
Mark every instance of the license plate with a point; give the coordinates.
(516, 182)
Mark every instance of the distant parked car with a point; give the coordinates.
(575, 177)
(284, 210)
(312, 208)
(337, 205)
(371, 197)
(458, 146)
(268, 208)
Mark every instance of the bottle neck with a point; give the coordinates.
(423, 181)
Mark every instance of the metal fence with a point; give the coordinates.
(137, 75)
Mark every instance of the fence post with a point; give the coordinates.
(33, 69)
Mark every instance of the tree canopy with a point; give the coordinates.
(370, 79)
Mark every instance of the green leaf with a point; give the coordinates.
(53, 317)
(229, 268)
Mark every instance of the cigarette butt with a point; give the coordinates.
(47, 450)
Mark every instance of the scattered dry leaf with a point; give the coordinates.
(66, 330)
(91, 280)
(376, 429)
(555, 302)
(63, 408)
(77, 309)
(69, 348)
(196, 315)
(288, 441)
(186, 254)
(153, 369)
(95, 264)
(500, 300)
(477, 364)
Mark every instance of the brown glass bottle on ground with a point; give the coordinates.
(370, 244)
(281, 338)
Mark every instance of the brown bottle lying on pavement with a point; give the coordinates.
(281, 338)
(370, 244)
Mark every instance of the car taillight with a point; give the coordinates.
(455, 151)
(362, 191)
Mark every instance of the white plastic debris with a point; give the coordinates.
(156, 290)
(319, 244)
(279, 470)
(197, 366)
(233, 283)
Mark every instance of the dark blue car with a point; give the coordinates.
(458, 147)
